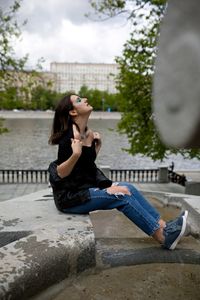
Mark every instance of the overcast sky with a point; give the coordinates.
(58, 31)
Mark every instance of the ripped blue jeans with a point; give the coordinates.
(134, 206)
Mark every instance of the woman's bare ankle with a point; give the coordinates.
(158, 235)
(162, 223)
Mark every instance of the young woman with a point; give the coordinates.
(80, 187)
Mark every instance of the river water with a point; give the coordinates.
(26, 146)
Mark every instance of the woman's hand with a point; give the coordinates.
(114, 189)
(65, 168)
(97, 137)
(76, 147)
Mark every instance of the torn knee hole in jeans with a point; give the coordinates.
(116, 193)
(117, 190)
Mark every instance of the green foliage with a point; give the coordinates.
(43, 98)
(9, 98)
(107, 8)
(18, 86)
(2, 129)
(136, 75)
(9, 29)
(135, 87)
(133, 10)
(100, 100)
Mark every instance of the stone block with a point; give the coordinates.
(192, 188)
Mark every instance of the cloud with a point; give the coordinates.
(74, 43)
(58, 31)
(49, 14)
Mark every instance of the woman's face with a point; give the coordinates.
(81, 105)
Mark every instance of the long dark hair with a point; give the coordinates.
(62, 119)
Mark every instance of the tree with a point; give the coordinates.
(135, 86)
(15, 82)
(136, 75)
(43, 98)
(10, 29)
(100, 100)
(134, 10)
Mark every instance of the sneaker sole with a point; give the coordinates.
(185, 214)
(173, 246)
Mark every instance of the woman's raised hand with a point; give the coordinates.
(97, 137)
(76, 147)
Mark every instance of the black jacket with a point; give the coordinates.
(74, 189)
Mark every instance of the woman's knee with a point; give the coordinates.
(127, 184)
(118, 190)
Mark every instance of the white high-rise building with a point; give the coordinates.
(72, 76)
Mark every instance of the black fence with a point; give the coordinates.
(177, 178)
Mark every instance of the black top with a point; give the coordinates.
(85, 168)
(74, 188)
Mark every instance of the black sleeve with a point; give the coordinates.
(64, 150)
(101, 180)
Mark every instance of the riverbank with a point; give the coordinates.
(48, 114)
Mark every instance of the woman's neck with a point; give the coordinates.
(81, 121)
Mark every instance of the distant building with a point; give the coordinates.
(25, 81)
(72, 76)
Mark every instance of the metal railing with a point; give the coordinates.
(177, 178)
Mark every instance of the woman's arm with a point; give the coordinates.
(98, 143)
(65, 168)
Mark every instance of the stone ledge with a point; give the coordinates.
(144, 250)
(149, 256)
(51, 245)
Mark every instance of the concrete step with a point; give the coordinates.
(115, 252)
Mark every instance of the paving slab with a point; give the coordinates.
(13, 190)
(137, 282)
